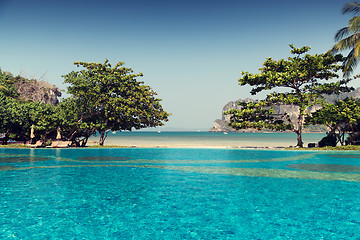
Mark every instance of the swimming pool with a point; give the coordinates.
(133, 193)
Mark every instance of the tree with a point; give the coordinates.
(73, 127)
(110, 98)
(17, 117)
(7, 85)
(45, 118)
(258, 115)
(302, 79)
(9, 116)
(342, 118)
(348, 38)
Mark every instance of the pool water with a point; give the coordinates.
(178, 194)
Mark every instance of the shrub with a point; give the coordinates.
(328, 140)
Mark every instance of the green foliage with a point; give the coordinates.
(302, 80)
(257, 115)
(17, 117)
(102, 98)
(342, 117)
(354, 139)
(328, 148)
(110, 98)
(7, 85)
(348, 38)
(74, 126)
(328, 140)
(45, 118)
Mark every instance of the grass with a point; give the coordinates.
(337, 148)
(17, 145)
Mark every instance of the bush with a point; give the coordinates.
(355, 140)
(328, 140)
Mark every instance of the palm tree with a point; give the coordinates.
(348, 38)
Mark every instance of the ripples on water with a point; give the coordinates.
(178, 194)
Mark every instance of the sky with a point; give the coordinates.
(191, 52)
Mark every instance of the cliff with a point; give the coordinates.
(221, 125)
(32, 90)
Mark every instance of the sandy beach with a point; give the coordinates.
(204, 140)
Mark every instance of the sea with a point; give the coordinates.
(204, 139)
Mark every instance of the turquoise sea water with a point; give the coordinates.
(212, 139)
(134, 193)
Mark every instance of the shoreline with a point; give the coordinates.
(95, 146)
(189, 146)
(193, 145)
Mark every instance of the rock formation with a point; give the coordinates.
(221, 125)
(32, 90)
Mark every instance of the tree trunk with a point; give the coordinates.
(342, 138)
(351, 135)
(44, 139)
(84, 142)
(102, 137)
(299, 139)
(299, 131)
(5, 139)
(103, 134)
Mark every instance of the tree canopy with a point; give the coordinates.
(7, 84)
(300, 81)
(102, 98)
(17, 117)
(342, 117)
(110, 98)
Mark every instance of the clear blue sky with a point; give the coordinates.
(191, 52)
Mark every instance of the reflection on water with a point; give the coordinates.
(22, 159)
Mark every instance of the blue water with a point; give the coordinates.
(178, 194)
(232, 139)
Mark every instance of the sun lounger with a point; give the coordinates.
(37, 144)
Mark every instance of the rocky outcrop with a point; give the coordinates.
(222, 125)
(32, 90)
